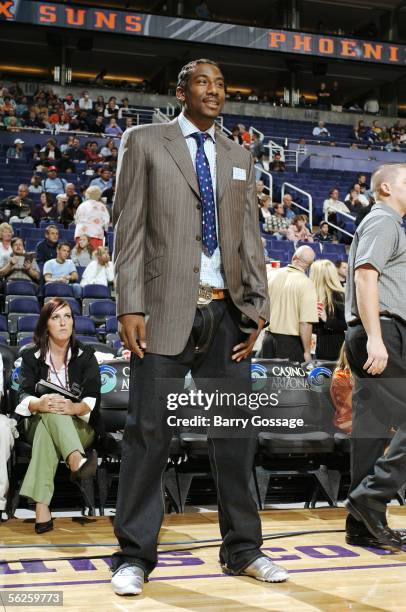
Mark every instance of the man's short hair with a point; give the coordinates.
(323, 223)
(15, 239)
(62, 244)
(187, 70)
(338, 262)
(384, 174)
(51, 226)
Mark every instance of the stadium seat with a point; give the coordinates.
(93, 292)
(20, 287)
(85, 326)
(58, 290)
(101, 309)
(21, 306)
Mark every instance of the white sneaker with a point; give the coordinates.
(128, 580)
(266, 570)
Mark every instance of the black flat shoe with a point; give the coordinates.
(44, 527)
(87, 470)
(375, 522)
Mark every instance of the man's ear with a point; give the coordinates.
(180, 95)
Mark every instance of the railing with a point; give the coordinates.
(159, 116)
(309, 210)
(170, 110)
(337, 227)
(270, 178)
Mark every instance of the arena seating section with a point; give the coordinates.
(319, 452)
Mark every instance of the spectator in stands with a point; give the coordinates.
(321, 131)
(342, 270)
(85, 102)
(277, 165)
(287, 206)
(52, 151)
(112, 108)
(202, 10)
(236, 135)
(341, 392)
(323, 98)
(69, 210)
(362, 182)
(331, 327)
(82, 252)
(106, 149)
(99, 106)
(98, 126)
(92, 152)
(245, 135)
(356, 188)
(297, 230)
(353, 203)
(19, 265)
(125, 110)
(103, 181)
(112, 165)
(301, 146)
(260, 191)
(17, 151)
(257, 148)
(129, 123)
(92, 217)
(323, 235)
(264, 212)
(113, 129)
(75, 151)
(46, 249)
(277, 224)
(336, 99)
(66, 165)
(69, 104)
(371, 106)
(36, 184)
(13, 124)
(19, 206)
(293, 310)
(62, 269)
(47, 208)
(6, 234)
(100, 271)
(361, 131)
(108, 194)
(56, 427)
(53, 183)
(333, 205)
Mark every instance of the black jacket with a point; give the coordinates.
(83, 370)
(45, 250)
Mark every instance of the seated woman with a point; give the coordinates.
(298, 230)
(82, 252)
(57, 427)
(100, 271)
(47, 208)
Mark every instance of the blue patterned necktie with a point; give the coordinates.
(209, 238)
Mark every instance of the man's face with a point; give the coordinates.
(52, 174)
(52, 234)
(260, 186)
(105, 175)
(18, 247)
(362, 179)
(70, 189)
(343, 270)
(93, 146)
(334, 194)
(22, 192)
(356, 188)
(76, 143)
(278, 210)
(287, 200)
(63, 252)
(324, 229)
(204, 95)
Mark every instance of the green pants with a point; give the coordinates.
(52, 436)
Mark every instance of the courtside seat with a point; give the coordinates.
(312, 443)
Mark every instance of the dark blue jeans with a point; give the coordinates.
(147, 437)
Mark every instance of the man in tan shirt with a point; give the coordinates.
(293, 310)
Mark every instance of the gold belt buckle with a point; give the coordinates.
(205, 295)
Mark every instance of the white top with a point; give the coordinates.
(96, 274)
(5, 252)
(361, 198)
(92, 218)
(22, 407)
(332, 206)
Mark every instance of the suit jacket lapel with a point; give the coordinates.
(177, 148)
(224, 165)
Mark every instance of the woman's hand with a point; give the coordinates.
(60, 405)
(322, 312)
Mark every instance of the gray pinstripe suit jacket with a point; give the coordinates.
(157, 219)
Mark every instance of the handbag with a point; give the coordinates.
(44, 386)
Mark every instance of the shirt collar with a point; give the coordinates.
(292, 267)
(188, 128)
(47, 359)
(382, 206)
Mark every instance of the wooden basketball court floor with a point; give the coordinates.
(326, 573)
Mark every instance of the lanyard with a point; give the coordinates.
(66, 385)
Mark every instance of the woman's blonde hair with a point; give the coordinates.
(325, 278)
(93, 193)
(342, 361)
(99, 251)
(5, 226)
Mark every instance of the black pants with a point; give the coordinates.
(147, 436)
(379, 405)
(283, 347)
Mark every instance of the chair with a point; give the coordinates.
(23, 340)
(101, 309)
(20, 287)
(58, 290)
(91, 293)
(46, 222)
(85, 326)
(87, 339)
(4, 335)
(21, 306)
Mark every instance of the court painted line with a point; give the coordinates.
(202, 576)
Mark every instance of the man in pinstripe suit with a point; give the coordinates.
(191, 295)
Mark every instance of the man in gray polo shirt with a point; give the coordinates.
(376, 350)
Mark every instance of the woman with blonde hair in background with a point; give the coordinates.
(92, 217)
(6, 234)
(331, 327)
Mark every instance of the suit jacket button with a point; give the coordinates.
(198, 206)
(196, 269)
(198, 238)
